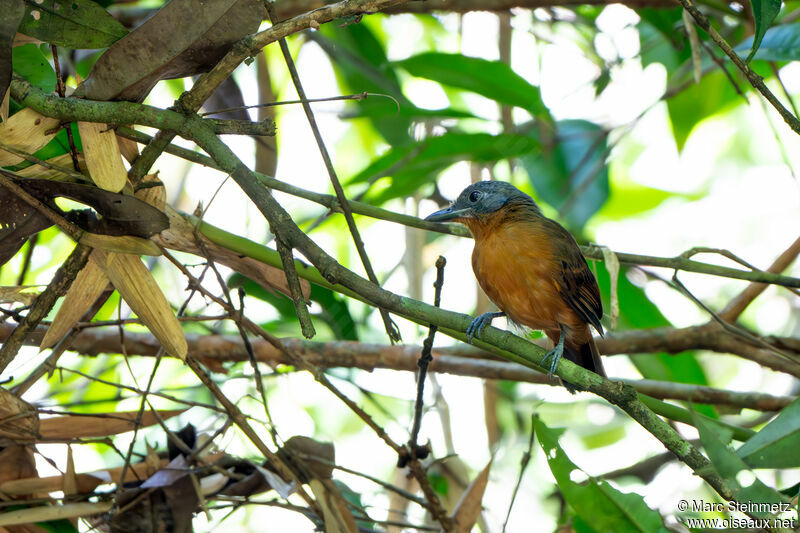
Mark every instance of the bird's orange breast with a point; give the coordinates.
(514, 264)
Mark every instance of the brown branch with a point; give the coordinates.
(736, 306)
(289, 8)
(457, 360)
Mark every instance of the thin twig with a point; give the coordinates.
(425, 358)
(61, 90)
(391, 327)
(755, 80)
(358, 97)
(737, 305)
(523, 465)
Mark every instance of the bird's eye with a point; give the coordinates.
(475, 196)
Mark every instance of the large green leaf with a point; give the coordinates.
(777, 443)
(492, 79)
(691, 106)
(73, 24)
(595, 501)
(730, 466)
(781, 43)
(413, 165)
(30, 63)
(361, 65)
(571, 173)
(764, 12)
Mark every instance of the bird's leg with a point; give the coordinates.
(556, 353)
(476, 326)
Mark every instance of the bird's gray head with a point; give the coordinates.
(482, 199)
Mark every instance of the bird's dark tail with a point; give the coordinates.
(587, 356)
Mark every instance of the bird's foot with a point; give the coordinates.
(479, 322)
(555, 354)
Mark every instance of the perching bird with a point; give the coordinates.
(531, 268)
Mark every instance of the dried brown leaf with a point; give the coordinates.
(70, 427)
(70, 483)
(311, 458)
(16, 462)
(128, 148)
(19, 420)
(103, 158)
(155, 51)
(25, 131)
(13, 11)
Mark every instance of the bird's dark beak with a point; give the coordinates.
(446, 214)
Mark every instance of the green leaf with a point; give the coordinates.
(776, 444)
(746, 488)
(361, 65)
(764, 12)
(692, 105)
(74, 24)
(492, 79)
(31, 64)
(571, 173)
(416, 164)
(595, 501)
(780, 43)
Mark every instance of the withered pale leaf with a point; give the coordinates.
(151, 190)
(103, 158)
(89, 284)
(126, 244)
(70, 427)
(138, 288)
(26, 131)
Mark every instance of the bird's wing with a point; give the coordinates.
(577, 283)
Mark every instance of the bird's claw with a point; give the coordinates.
(554, 354)
(478, 323)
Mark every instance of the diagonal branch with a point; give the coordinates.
(391, 327)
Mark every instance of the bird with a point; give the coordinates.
(532, 269)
